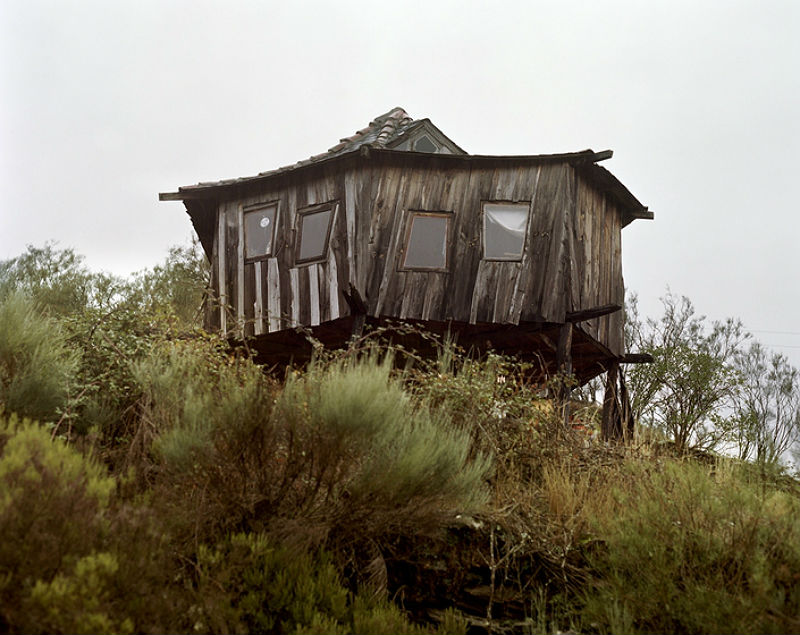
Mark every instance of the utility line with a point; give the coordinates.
(775, 332)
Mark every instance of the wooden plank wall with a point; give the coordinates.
(571, 261)
(274, 294)
(472, 289)
(597, 264)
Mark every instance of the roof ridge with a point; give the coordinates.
(389, 123)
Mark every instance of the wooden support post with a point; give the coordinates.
(564, 370)
(626, 412)
(608, 425)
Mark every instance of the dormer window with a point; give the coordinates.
(424, 144)
(259, 231)
(313, 233)
(426, 241)
(504, 228)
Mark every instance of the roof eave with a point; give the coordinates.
(585, 161)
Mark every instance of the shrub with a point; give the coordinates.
(341, 448)
(51, 512)
(685, 550)
(78, 602)
(36, 366)
(246, 584)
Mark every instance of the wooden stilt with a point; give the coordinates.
(608, 425)
(564, 366)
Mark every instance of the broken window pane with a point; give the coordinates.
(259, 231)
(504, 227)
(427, 242)
(314, 229)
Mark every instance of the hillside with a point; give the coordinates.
(154, 480)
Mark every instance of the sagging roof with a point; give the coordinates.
(397, 131)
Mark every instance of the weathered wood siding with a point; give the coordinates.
(597, 264)
(274, 294)
(571, 259)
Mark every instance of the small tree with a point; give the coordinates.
(176, 287)
(693, 378)
(58, 281)
(767, 405)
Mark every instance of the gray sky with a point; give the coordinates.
(105, 104)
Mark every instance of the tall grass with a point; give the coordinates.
(37, 367)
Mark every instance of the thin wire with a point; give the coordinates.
(776, 332)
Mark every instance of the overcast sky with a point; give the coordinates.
(105, 104)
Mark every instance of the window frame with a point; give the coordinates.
(411, 215)
(331, 206)
(247, 209)
(528, 206)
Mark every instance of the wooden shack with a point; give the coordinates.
(520, 254)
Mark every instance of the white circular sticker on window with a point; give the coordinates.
(264, 221)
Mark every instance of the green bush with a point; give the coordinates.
(36, 366)
(51, 513)
(78, 602)
(247, 585)
(398, 451)
(72, 558)
(686, 549)
(341, 448)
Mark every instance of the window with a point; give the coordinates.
(426, 241)
(424, 144)
(504, 226)
(259, 231)
(313, 233)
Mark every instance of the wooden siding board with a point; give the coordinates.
(313, 295)
(386, 278)
(554, 304)
(508, 274)
(457, 196)
(461, 287)
(248, 297)
(222, 297)
(483, 294)
(232, 263)
(381, 189)
(354, 256)
(413, 296)
(364, 243)
(258, 301)
(275, 310)
(545, 215)
(334, 284)
(303, 296)
(575, 249)
(294, 282)
(240, 281)
(526, 270)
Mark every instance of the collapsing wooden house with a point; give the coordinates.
(520, 254)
